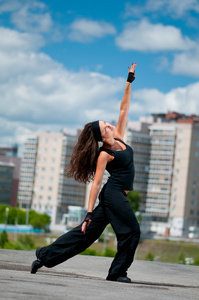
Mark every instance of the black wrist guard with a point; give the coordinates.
(88, 217)
(131, 77)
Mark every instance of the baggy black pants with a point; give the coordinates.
(113, 208)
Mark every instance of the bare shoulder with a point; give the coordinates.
(104, 157)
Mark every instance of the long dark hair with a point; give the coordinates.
(84, 158)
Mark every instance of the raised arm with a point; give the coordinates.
(124, 108)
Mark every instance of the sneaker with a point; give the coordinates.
(35, 266)
(124, 279)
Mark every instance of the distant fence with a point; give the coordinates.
(19, 228)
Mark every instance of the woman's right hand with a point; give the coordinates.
(86, 222)
(132, 68)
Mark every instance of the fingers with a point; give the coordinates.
(83, 229)
(132, 68)
(85, 225)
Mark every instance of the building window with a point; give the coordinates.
(197, 144)
(191, 212)
(197, 154)
(51, 179)
(52, 170)
(193, 202)
(194, 193)
(43, 168)
(49, 198)
(50, 188)
(40, 197)
(194, 184)
(41, 188)
(53, 160)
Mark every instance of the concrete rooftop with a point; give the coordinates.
(83, 277)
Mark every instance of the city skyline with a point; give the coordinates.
(64, 64)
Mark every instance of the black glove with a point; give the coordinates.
(88, 217)
(131, 77)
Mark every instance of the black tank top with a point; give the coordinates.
(121, 168)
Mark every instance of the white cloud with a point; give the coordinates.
(182, 99)
(173, 8)
(28, 15)
(9, 6)
(13, 41)
(37, 92)
(144, 36)
(32, 22)
(187, 63)
(84, 30)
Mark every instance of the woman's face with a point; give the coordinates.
(107, 130)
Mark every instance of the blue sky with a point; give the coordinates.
(64, 63)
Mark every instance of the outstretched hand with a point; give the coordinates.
(132, 68)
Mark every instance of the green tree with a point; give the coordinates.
(3, 213)
(39, 221)
(3, 238)
(134, 199)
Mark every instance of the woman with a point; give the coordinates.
(89, 161)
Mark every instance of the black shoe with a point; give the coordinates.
(124, 279)
(35, 266)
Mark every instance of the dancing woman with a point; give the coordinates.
(89, 162)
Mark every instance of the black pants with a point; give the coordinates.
(113, 208)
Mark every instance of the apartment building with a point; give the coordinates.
(163, 139)
(9, 175)
(44, 186)
(173, 181)
(137, 136)
(6, 180)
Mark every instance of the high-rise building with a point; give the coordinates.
(9, 175)
(6, 179)
(43, 183)
(137, 136)
(173, 182)
(161, 164)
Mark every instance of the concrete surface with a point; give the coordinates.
(83, 277)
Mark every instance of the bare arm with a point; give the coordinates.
(124, 108)
(97, 182)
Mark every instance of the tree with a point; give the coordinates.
(134, 199)
(3, 238)
(39, 221)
